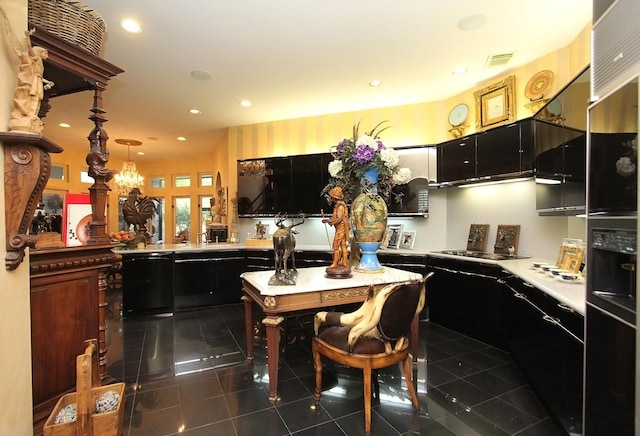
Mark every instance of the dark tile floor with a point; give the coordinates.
(186, 373)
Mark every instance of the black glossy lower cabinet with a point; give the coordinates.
(610, 375)
(207, 278)
(466, 297)
(146, 283)
(545, 338)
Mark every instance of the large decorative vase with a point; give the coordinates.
(369, 216)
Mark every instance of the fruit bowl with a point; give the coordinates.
(122, 237)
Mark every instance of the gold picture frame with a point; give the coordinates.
(570, 256)
(572, 262)
(495, 104)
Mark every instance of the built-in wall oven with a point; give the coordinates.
(610, 327)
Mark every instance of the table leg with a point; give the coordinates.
(272, 324)
(248, 324)
(415, 325)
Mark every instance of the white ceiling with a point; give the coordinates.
(296, 58)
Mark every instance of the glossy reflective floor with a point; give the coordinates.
(187, 374)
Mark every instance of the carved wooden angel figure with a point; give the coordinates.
(31, 83)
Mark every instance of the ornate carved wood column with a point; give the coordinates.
(97, 158)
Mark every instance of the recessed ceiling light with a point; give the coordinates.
(65, 125)
(201, 75)
(131, 25)
(375, 83)
(141, 153)
(245, 103)
(195, 111)
(459, 70)
(181, 138)
(472, 22)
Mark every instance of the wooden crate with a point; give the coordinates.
(88, 389)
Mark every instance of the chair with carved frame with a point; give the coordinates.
(373, 337)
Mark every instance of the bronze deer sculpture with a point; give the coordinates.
(284, 244)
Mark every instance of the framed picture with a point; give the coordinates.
(407, 239)
(396, 232)
(507, 239)
(572, 263)
(495, 104)
(385, 238)
(477, 240)
(570, 253)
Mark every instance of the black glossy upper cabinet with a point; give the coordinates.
(290, 184)
(505, 151)
(498, 153)
(457, 160)
(560, 142)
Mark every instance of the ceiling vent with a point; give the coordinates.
(498, 60)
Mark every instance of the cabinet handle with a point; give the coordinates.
(565, 308)
(520, 296)
(528, 285)
(551, 320)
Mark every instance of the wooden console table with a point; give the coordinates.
(311, 291)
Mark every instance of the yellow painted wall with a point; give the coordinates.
(424, 123)
(15, 322)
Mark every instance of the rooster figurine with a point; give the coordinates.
(137, 210)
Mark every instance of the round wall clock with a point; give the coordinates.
(458, 115)
(538, 85)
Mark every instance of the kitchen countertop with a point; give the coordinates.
(572, 294)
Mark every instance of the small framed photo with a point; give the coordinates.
(385, 238)
(396, 233)
(407, 239)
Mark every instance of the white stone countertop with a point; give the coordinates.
(314, 279)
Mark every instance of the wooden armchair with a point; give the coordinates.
(374, 336)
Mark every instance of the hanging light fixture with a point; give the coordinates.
(253, 168)
(128, 178)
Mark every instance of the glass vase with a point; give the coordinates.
(369, 217)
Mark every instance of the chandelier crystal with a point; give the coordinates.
(128, 178)
(254, 168)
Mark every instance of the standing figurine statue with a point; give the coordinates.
(340, 221)
(31, 83)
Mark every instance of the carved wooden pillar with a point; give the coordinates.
(27, 166)
(96, 159)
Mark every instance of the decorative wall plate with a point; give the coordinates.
(538, 84)
(458, 115)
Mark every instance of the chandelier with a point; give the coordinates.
(128, 178)
(253, 168)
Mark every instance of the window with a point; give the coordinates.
(206, 179)
(158, 224)
(182, 181)
(58, 172)
(182, 214)
(85, 178)
(205, 212)
(157, 182)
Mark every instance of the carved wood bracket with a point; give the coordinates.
(27, 166)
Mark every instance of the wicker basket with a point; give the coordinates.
(88, 422)
(70, 20)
